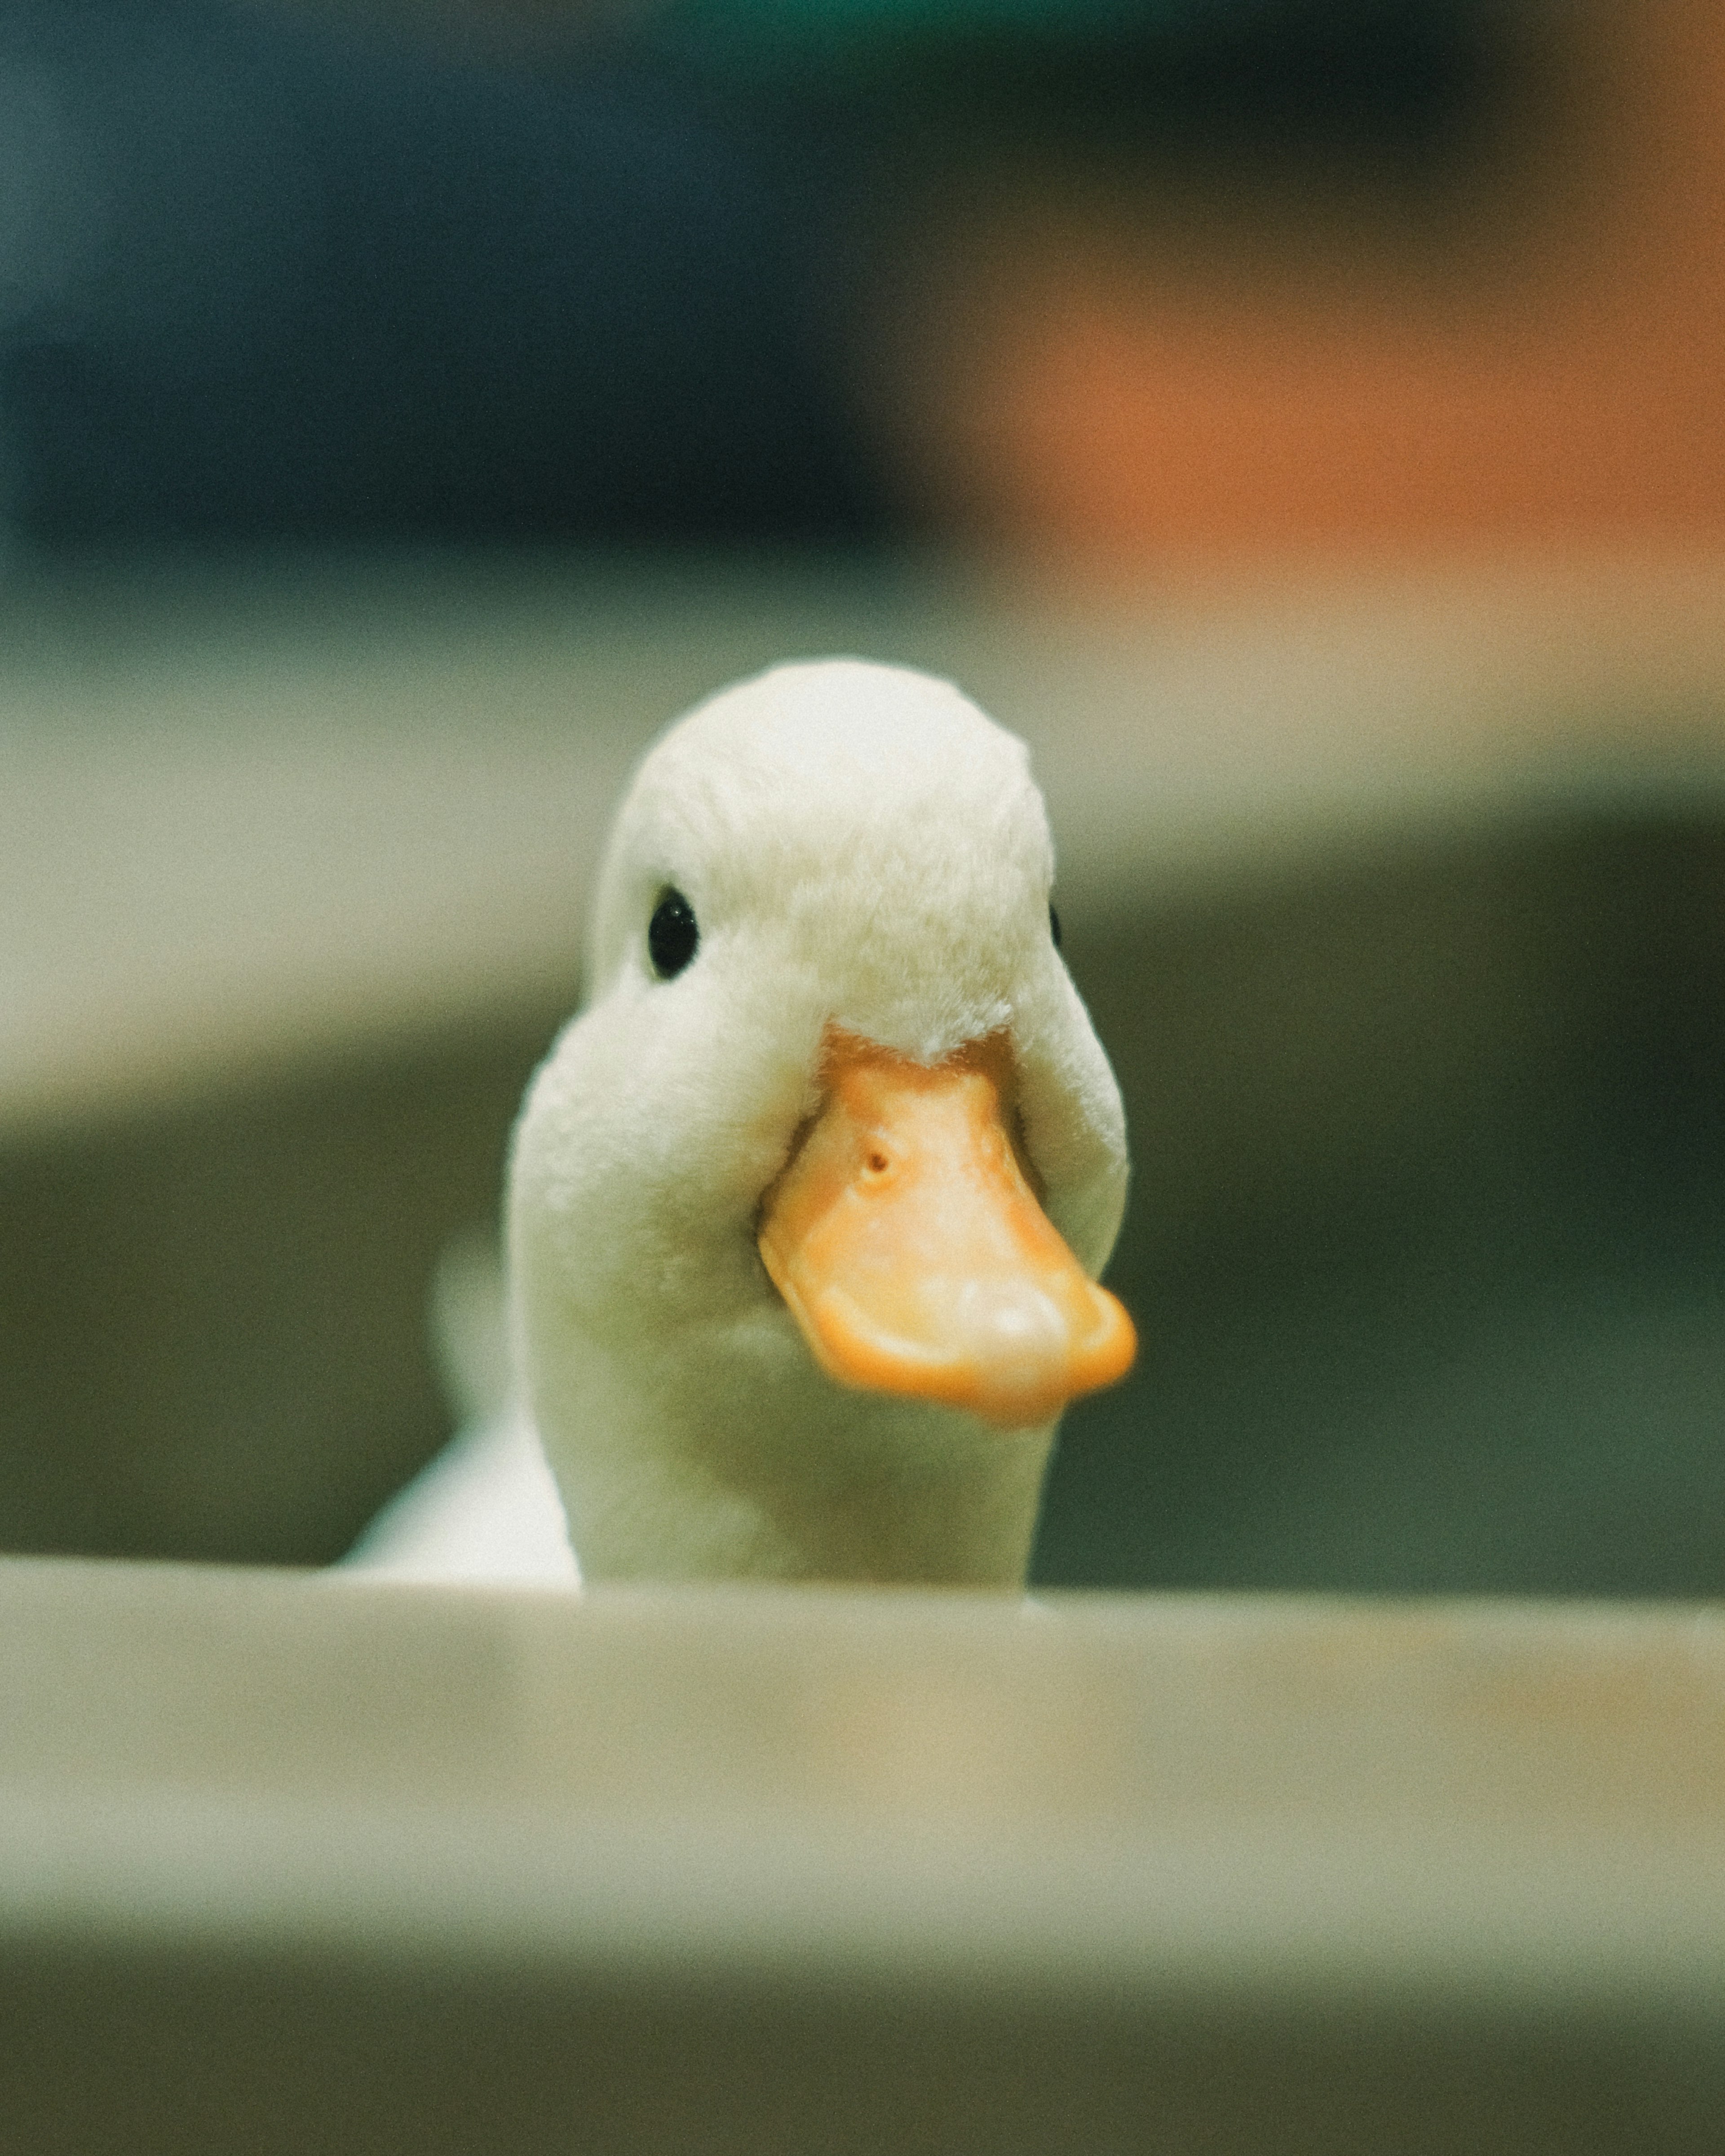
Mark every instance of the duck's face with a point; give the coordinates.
(832, 1075)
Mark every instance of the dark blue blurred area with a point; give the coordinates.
(264, 278)
(267, 275)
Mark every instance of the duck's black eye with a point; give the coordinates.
(673, 937)
(1053, 926)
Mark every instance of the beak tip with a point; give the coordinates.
(1016, 1365)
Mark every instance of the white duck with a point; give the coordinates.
(785, 1303)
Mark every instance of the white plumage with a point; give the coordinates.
(869, 863)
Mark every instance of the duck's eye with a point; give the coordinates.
(673, 935)
(1053, 926)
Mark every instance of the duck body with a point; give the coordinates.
(865, 864)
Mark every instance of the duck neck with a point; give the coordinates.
(708, 1465)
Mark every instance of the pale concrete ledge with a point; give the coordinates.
(832, 1869)
(248, 821)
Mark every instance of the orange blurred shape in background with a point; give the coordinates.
(1086, 393)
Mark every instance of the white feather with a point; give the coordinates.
(862, 846)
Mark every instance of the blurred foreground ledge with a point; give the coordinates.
(288, 1862)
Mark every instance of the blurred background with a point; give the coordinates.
(1304, 423)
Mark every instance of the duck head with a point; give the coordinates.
(807, 1204)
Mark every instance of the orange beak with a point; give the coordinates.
(907, 1240)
